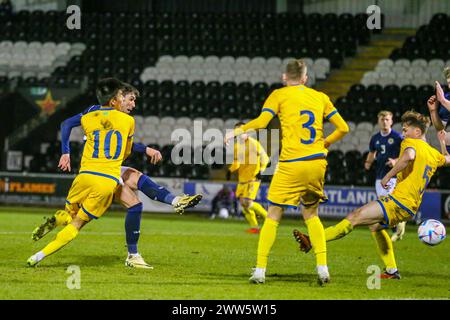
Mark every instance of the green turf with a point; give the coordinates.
(197, 258)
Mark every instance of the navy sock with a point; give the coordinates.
(154, 191)
(133, 226)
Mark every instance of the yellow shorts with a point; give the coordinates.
(298, 182)
(394, 212)
(90, 196)
(248, 190)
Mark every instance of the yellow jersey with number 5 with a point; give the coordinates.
(109, 137)
(412, 181)
(301, 111)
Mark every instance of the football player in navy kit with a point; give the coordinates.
(384, 149)
(439, 107)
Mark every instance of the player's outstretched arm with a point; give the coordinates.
(341, 130)
(407, 156)
(154, 155)
(66, 129)
(441, 138)
(259, 123)
(441, 97)
(432, 105)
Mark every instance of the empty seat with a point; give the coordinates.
(167, 121)
(386, 63)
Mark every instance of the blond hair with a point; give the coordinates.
(417, 120)
(385, 113)
(296, 69)
(447, 72)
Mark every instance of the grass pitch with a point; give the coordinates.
(197, 258)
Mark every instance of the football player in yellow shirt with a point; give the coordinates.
(416, 165)
(133, 180)
(250, 159)
(300, 173)
(109, 133)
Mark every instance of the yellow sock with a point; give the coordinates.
(63, 218)
(338, 231)
(317, 237)
(250, 217)
(62, 238)
(266, 239)
(259, 209)
(385, 248)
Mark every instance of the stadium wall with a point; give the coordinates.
(51, 190)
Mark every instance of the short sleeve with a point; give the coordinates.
(329, 109)
(440, 160)
(407, 144)
(272, 104)
(131, 135)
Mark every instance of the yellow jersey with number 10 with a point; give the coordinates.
(412, 181)
(109, 135)
(301, 111)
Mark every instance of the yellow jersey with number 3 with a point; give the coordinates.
(301, 111)
(109, 135)
(412, 181)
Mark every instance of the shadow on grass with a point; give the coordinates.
(83, 261)
(273, 277)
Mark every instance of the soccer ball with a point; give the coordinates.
(431, 232)
(223, 213)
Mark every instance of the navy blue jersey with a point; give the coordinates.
(385, 147)
(444, 115)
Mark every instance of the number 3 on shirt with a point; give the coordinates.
(307, 125)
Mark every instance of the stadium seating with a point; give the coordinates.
(142, 40)
(228, 69)
(420, 46)
(403, 72)
(215, 67)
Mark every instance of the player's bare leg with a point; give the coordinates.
(371, 215)
(368, 214)
(267, 238)
(136, 180)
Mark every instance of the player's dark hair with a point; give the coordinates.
(417, 120)
(240, 123)
(107, 89)
(128, 88)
